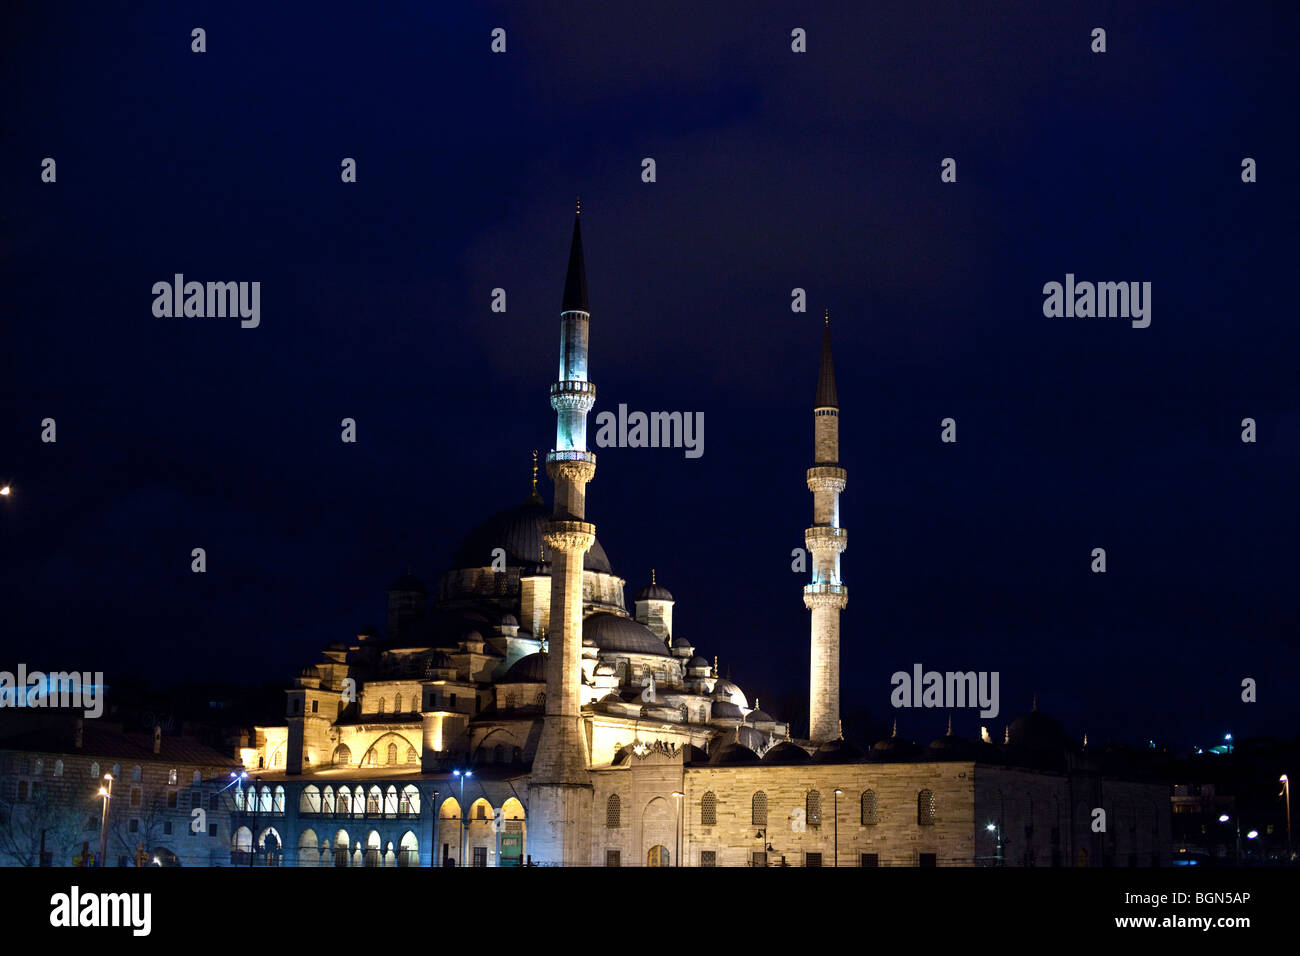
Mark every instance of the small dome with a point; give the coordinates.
(697, 662)
(786, 753)
(1036, 731)
(839, 751)
(733, 753)
(653, 592)
(527, 670)
(894, 747)
(508, 620)
(758, 717)
(692, 754)
(604, 670)
(408, 582)
(611, 699)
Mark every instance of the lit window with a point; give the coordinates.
(759, 809)
(613, 812)
(870, 809)
(925, 808)
(813, 806)
(709, 810)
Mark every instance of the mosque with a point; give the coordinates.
(522, 714)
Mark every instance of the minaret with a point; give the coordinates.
(560, 790)
(827, 595)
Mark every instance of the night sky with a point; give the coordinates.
(775, 170)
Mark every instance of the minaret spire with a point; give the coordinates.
(826, 596)
(560, 786)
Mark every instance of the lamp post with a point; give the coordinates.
(107, 794)
(1286, 789)
(679, 795)
(1237, 821)
(838, 791)
(994, 828)
(462, 774)
(433, 847)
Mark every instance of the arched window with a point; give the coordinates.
(614, 812)
(342, 755)
(870, 809)
(397, 704)
(373, 801)
(412, 756)
(40, 768)
(135, 773)
(392, 753)
(94, 769)
(813, 808)
(382, 704)
(925, 808)
(372, 758)
(480, 810)
(512, 700)
(278, 804)
(541, 698)
(709, 810)
(58, 768)
(117, 771)
(758, 809)
(171, 777)
(327, 801)
(197, 778)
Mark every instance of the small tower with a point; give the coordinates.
(560, 790)
(654, 608)
(826, 596)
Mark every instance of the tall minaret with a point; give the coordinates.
(560, 790)
(827, 595)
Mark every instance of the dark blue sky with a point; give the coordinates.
(775, 170)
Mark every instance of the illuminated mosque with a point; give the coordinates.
(523, 714)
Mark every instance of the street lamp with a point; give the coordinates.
(837, 791)
(1286, 789)
(462, 774)
(994, 828)
(679, 795)
(1224, 818)
(107, 794)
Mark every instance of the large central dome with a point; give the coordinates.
(519, 531)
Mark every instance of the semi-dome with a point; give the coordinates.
(894, 747)
(726, 710)
(519, 532)
(620, 635)
(729, 690)
(732, 752)
(527, 670)
(758, 717)
(952, 747)
(839, 751)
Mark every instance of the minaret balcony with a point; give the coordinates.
(826, 538)
(573, 394)
(569, 536)
(827, 478)
(825, 595)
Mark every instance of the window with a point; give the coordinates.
(117, 771)
(612, 858)
(94, 769)
(135, 796)
(40, 766)
(172, 799)
(196, 799)
(392, 753)
(812, 859)
(758, 810)
(315, 706)
(451, 701)
(498, 754)
(22, 789)
(297, 705)
(870, 859)
(813, 807)
(708, 858)
(58, 768)
(412, 756)
(372, 758)
(382, 704)
(925, 808)
(870, 809)
(397, 704)
(135, 773)
(760, 858)
(512, 701)
(197, 778)
(134, 825)
(167, 828)
(613, 812)
(213, 803)
(372, 800)
(709, 810)
(480, 856)
(929, 859)
(212, 829)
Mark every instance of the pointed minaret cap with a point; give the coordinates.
(826, 394)
(575, 283)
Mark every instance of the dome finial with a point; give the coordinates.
(950, 725)
(1006, 734)
(895, 733)
(652, 575)
(715, 665)
(578, 210)
(828, 317)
